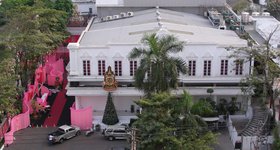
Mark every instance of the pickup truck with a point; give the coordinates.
(62, 133)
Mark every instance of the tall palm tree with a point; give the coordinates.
(158, 70)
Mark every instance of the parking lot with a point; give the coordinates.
(37, 139)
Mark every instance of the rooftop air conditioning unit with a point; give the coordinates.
(255, 14)
(130, 14)
(123, 14)
(109, 18)
(116, 16)
(265, 14)
(102, 19)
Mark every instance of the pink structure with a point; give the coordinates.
(82, 117)
(55, 70)
(40, 74)
(18, 122)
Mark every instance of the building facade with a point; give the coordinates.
(108, 42)
(111, 7)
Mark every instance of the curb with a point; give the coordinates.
(2, 147)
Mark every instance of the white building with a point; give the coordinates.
(266, 25)
(108, 43)
(85, 7)
(111, 7)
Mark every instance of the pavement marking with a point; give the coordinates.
(2, 147)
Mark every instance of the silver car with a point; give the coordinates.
(116, 132)
(64, 132)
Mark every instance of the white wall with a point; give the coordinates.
(83, 8)
(98, 102)
(196, 52)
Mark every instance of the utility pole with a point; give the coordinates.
(133, 139)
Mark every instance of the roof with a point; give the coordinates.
(65, 127)
(161, 3)
(265, 25)
(187, 27)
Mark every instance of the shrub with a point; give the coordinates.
(97, 127)
(222, 107)
(204, 109)
(232, 107)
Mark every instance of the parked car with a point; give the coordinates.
(116, 132)
(64, 132)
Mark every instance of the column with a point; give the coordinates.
(215, 98)
(73, 52)
(77, 102)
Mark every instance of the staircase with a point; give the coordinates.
(256, 125)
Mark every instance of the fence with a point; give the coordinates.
(233, 132)
(18, 122)
(4, 128)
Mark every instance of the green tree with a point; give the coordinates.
(158, 68)
(8, 89)
(276, 136)
(110, 116)
(266, 71)
(203, 108)
(167, 123)
(241, 5)
(30, 33)
(64, 5)
(273, 7)
(8, 5)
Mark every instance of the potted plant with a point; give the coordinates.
(97, 127)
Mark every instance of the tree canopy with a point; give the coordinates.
(273, 6)
(30, 29)
(8, 5)
(159, 69)
(8, 89)
(30, 33)
(167, 123)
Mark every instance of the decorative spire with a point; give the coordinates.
(162, 30)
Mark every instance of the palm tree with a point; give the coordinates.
(159, 69)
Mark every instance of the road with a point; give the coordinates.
(37, 139)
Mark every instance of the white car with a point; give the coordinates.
(64, 132)
(116, 132)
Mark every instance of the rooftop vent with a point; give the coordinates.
(109, 18)
(116, 16)
(130, 14)
(265, 14)
(123, 14)
(102, 19)
(255, 13)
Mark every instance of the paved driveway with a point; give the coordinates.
(36, 139)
